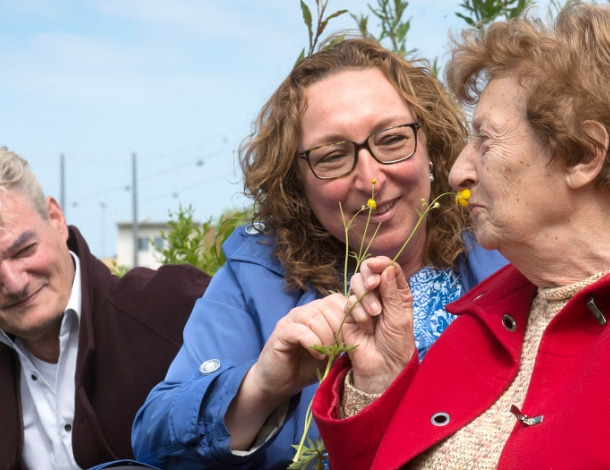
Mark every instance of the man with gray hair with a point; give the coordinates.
(80, 348)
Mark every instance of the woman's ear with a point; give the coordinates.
(586, 172)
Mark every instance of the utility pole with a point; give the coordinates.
(62, 183)
(103, 229)
(135, 210)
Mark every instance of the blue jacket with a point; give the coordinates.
(181, 425)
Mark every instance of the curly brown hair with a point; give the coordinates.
(311, 256)
(564, 69)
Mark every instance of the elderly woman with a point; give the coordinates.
(521, 378)
(236, 395)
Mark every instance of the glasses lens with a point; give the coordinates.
(333, 160)
(394, 144)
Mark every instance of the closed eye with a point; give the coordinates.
(481, 142)
(331, 154)
(394, 140)
(26, 251)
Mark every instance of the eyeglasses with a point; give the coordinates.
(387, 146)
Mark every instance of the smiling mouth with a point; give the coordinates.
(377, 214)
(15, 303)
(19, 302)
(382, 208)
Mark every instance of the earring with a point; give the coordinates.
(431, 168)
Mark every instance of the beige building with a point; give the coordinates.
(149, 235)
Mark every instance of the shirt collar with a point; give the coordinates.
(74, 303)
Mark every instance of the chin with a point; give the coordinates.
(485, 241)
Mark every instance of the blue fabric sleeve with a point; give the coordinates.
(181, 424)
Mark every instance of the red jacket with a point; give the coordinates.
(130, 331)
(467, 370)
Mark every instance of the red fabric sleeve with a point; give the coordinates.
(351, 443)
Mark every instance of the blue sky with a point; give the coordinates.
(177, 82)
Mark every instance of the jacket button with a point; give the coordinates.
(509, 323)
(209, 366)
(255, 228)
(440, 419)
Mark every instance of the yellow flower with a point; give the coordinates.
(461, 198)
(373, 181)
(372, 203)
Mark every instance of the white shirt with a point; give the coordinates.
(48, 390)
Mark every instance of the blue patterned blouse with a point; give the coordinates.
(432, 289)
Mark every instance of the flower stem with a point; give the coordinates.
(338, 348)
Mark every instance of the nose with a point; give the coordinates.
(368, 169)
(13, 279)
(462, 174)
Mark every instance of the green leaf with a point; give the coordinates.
(308, 20)
(321, 349)
(312, 457)
(301, 56)
(336, 14)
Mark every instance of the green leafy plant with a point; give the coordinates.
(118, 269)
(480, 13)
(321, 23)
(394, 27)
(199, 245)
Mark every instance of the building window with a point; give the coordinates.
(143, 244)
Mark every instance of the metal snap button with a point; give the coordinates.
(440, 419)
(209, 366)
(255, 228)
(509, 323)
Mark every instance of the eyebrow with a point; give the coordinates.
(385, 123)
(21, 240)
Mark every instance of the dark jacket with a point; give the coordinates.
(130, 330)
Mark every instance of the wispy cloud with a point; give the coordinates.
(151, 52)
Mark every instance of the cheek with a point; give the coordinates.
(56, 261)
(410, 176)
(324, 198)
(62, 279)
(410, 179)
(499, 179)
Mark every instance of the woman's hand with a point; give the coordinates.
(287, 362)
(381, 324)
(284, 367)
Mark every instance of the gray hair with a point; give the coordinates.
(16, 175)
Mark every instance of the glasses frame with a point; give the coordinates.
(358, 146)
